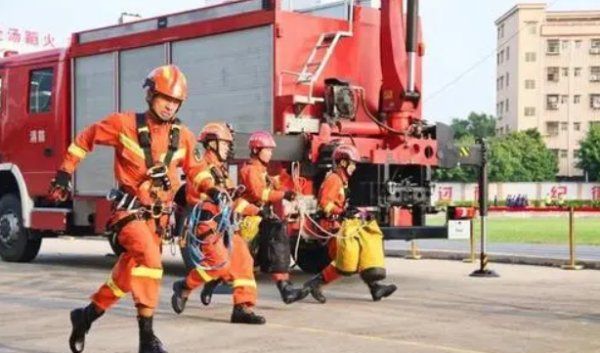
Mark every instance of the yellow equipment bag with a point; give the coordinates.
(359, 246)
(249, 227)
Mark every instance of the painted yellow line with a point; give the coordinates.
(379, 338)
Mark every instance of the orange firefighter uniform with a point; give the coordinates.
(218, 263)
(139, 269)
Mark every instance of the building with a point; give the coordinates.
(548, 77)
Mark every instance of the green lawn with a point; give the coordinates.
(536, 230)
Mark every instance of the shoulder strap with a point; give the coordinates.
(174, 135)
(143, 133)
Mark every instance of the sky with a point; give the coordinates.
(460, 38)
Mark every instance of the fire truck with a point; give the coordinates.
(345, 72)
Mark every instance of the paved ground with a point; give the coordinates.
(438, 308)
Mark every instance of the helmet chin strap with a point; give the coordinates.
(155, 115)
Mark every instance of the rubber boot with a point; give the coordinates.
(178, 301)
(314, 285)
(149, 343)
(207, 291)
(379, 291)
(243, 315)
(289, 294)
(81, 320)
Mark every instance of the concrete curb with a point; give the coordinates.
(495, 257)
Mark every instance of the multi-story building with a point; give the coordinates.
(548, 77)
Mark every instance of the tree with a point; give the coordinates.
(589, 153)
(521, 157)
(476, 125)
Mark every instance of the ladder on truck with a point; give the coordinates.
(320, 55)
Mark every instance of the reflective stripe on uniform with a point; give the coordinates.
(265, 195)
(201, 176)
(131, 145)
(114, 288)
(77, 151)
(241, 206)
(143, 271)
(180, 153)
(244, 283)
(329, 207)
(204, 275)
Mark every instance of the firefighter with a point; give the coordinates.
(210, 188)
(263, 191)
(363, 252)
(149, 147)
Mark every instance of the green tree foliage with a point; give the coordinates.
(589, 153)
(476, 125)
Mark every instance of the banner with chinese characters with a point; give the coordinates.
(23, 40)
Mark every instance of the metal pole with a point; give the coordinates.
(572, 262)
(483, 271)
(414, 251)
(471, 257)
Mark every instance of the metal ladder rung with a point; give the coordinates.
(313, 64)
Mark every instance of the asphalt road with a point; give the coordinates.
(438, 308)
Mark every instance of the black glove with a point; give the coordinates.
(216, 195)
(265, 212)
(289, 195)
(60, 186)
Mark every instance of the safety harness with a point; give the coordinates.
(156, 171)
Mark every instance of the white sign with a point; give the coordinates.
(459, 230)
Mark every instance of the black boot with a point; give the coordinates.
(149, 343)
(178, 301)
(207, 291)
(289, 294)
(81, 320)
(243, 315)
(379, 291)
(314, 286)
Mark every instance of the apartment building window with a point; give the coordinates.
(577, 72)
(529, 84)
(565, 72)
(501, 56)
(564, 99)
(507, 53)
(595, 74)
(564, 126)
(595, 101)
(594, 124)
(595, 46)
(577, 99)
(554, 152)
(553, 47)
(507, 105)
(565, 44)
(564, 153)
(501, 31)
(501, 108)
(577, 126)
(575, 154)
(530, 57)
(578, 44)
(507, 78)
(552, 102)
(529, 111)
(501, 82)
(552, 128)
(553, 74)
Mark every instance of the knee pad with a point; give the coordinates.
(373, 274)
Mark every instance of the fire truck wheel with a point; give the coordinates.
(17, 244)
(312, 255)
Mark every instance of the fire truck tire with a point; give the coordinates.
(17, 244)
(312, 256)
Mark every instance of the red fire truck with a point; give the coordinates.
(316, 77)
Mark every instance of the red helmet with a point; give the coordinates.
(346, 152)
(261, 139)
(167, 80)
(216, 131)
